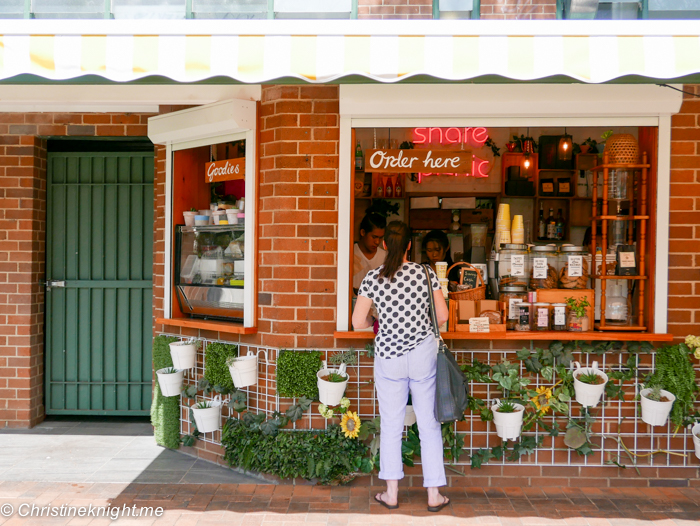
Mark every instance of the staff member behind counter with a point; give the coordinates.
(437, 248)
(367, 253)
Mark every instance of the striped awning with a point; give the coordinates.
(329, 51)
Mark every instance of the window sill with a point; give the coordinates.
(219, 326)
(535, 335)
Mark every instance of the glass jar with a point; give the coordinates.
(558, 317)
(513, 266)
(576, 324)
(543, 262)
(541, 316)
(524, 317)
(574, 267)
(512, 297)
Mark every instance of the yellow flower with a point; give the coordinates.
(350, 424)
(541, 401)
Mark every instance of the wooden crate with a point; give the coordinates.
(560, 295)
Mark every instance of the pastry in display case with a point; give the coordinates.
(209, 271)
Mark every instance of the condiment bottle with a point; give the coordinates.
(389, 188)
(398, 189)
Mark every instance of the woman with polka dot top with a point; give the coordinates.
(405, 360)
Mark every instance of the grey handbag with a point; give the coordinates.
(451, 390)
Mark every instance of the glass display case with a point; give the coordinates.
(209, 271)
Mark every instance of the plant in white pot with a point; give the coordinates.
(332, 384)
(656, 405)
(589, 384)
(508, 418)
(695, 430)
(207, 415)
(243, 369)
(184, 353)
(170, 381)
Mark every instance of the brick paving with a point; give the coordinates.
(285, 505)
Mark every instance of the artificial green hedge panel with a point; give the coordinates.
(165, 411)
(296, 373)
(216, 370)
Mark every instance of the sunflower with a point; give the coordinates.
(350, 424)
(541, 401)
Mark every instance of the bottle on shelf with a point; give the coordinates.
(551, 225)
(389, 189)
(560, 226)
(380, 189)
(541, 226)
(398, 189)
(359, 158)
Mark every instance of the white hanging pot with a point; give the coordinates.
(208, 419)
(588, 395)
(170, 383)
(330, 393)
(508, 425)
(695, 430)
(244, 370)
(656, 413)
(184, 355)
(410, 417)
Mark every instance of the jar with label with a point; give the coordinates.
(574, 267)
(524, 317)
(512, 297)
(543, 262)
(558, 316)
(541, 316)
(513, 266)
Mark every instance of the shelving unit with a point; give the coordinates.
(641, 218)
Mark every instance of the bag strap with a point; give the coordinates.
(431, 302)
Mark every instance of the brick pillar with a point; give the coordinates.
(518, 9)
(22, 239)
(684, 238)
(298, 217)
(395, 9)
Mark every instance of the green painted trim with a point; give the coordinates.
(28, 9)
(353, 10)
(560, 9)
(108, 284)
(108, 9)
(270, 9)
(476, 10)
(436, 9)
(188, 9)
(644, 13)
(142, 412)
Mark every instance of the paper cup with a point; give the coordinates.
(441, 269)
(505, 237)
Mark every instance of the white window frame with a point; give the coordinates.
(513, 105)
(204, 126)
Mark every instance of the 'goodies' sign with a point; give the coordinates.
(227, 170)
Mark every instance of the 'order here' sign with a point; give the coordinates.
(410, 161)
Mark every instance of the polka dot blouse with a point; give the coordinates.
(402, 304)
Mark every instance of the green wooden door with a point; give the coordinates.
(99, 262)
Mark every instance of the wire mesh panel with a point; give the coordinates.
(619, 435)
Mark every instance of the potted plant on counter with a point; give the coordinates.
(184, 353)
(656, 405)
(170, 381)
(589, 384)
(332, 384)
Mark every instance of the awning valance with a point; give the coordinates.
(333, 51)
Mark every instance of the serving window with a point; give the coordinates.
(495, 202)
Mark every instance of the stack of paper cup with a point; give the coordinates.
(441, 269)
(517, 230)
(503, 224)
(443, 285)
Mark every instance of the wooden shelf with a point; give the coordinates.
(620, 277)
(532, 335)
(620, 218)
(610, 328)
(219, 326)
(613, 166)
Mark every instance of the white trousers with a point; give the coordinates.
(394, 377)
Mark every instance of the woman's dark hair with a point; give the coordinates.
(397, 236)
(439, 237)
(372, 221)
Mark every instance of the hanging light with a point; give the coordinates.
(528, 149)
(566, 146)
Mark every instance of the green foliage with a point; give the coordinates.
(336, 378)
(369, 349)
(674, 372)
(383, 207)
(168, 370)
(202, 405)
(165, 411)
(578, 305)
(654, 394)
(578, 434)
(524, 446)
(506, 406)
(491, 144)
(325, 455)
(590, 378)
(348, 357)
(296, 373)
(216, 371)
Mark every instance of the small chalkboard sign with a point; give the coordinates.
(470, 278)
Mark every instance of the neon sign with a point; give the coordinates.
(476, 137)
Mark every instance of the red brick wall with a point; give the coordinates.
(518, 9)
(684, 242)
(395, 9)
(22, 248)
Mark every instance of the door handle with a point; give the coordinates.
(54, 283)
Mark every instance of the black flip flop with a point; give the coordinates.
(435, 509)
(387, 506)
